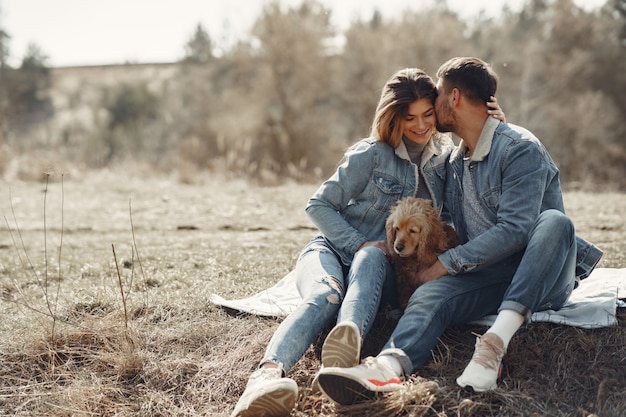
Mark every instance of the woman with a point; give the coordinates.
(341, 272)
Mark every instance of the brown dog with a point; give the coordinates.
(416, 235)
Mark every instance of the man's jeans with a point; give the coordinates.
(540, 278)
(328, 290)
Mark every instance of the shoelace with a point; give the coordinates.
(487, 353)
(370, 362)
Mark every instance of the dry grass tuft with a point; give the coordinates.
(87, 368)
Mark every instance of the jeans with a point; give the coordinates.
(329, 289)
(539, 278)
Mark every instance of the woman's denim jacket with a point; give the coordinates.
(352, 206)
(515, 180)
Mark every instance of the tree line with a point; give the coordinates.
(287, 100)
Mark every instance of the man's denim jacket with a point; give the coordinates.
(515, 180)
(352, 206)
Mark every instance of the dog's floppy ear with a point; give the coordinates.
(440, 237)
(391, 231)
(434, 242)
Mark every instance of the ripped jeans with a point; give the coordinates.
(330, 291)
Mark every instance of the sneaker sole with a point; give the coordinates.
(277, 403)
(344, 391)
(473, 390)
(342, 347)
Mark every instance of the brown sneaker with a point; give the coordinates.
(483, 371)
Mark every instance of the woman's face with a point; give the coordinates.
(419, 124)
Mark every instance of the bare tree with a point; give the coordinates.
(294, 48)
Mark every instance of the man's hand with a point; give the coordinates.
(433, 272)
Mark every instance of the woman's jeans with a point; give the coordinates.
(329, 289)
(540, 278)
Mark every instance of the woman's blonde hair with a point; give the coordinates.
(402, 89)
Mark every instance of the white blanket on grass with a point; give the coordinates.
(593, 304)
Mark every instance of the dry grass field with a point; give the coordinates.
(104, 311)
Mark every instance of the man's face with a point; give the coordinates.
(446, 121)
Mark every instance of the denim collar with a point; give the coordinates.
(433, 147)
(484, 141)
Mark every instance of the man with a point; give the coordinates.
(520, 253)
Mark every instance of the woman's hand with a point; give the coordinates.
(494, 110)
(380, 244)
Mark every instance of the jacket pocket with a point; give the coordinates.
(491, 198)
(386, 191)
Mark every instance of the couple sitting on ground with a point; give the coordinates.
(499, 189)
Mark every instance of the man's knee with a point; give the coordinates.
(555, 221)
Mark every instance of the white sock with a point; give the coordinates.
(506, 325)
(392, 362)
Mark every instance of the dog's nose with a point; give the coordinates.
(399, 247)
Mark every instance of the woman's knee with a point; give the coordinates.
(371, 252)
(370, 257)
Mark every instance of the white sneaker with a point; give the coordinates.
(348, 386)
(483, 371)
(267, 394)
(342, 347)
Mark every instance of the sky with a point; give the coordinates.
(94, 32)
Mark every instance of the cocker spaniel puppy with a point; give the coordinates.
(416, 235)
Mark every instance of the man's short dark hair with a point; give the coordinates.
(472, 76)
